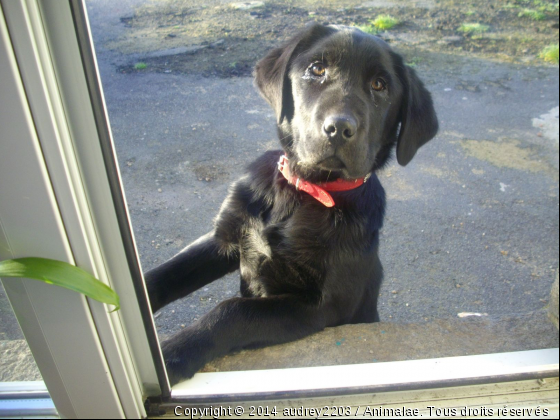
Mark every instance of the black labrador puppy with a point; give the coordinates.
(302, 225)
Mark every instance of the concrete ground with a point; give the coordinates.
(472, 222)
(392, 342)
(471, 225)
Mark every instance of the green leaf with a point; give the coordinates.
(60, 274)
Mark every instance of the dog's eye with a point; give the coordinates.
(379, 85)
(318, 69)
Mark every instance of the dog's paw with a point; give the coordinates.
(177, 372)
(182, 359)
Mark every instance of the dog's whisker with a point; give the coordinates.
(282, 139)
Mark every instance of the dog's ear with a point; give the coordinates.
(419, 123)
(271, 73)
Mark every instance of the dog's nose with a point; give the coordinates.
(340, 128)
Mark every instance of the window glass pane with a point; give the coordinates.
(471, 229)
(16, 362)
(176, 154)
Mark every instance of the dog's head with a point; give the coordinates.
(343, 99)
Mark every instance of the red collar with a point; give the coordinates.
(319, 191)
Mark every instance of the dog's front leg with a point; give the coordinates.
(202, 262)
(240, 323)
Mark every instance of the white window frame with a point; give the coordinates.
(57, 202)
(61, 198)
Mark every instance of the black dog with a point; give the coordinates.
(305, 233)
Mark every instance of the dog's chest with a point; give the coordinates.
(271, 248)
(283, 251)
(255, 251)
(254, 245)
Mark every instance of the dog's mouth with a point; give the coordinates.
(332, 163)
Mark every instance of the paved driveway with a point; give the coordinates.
(472, 222)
